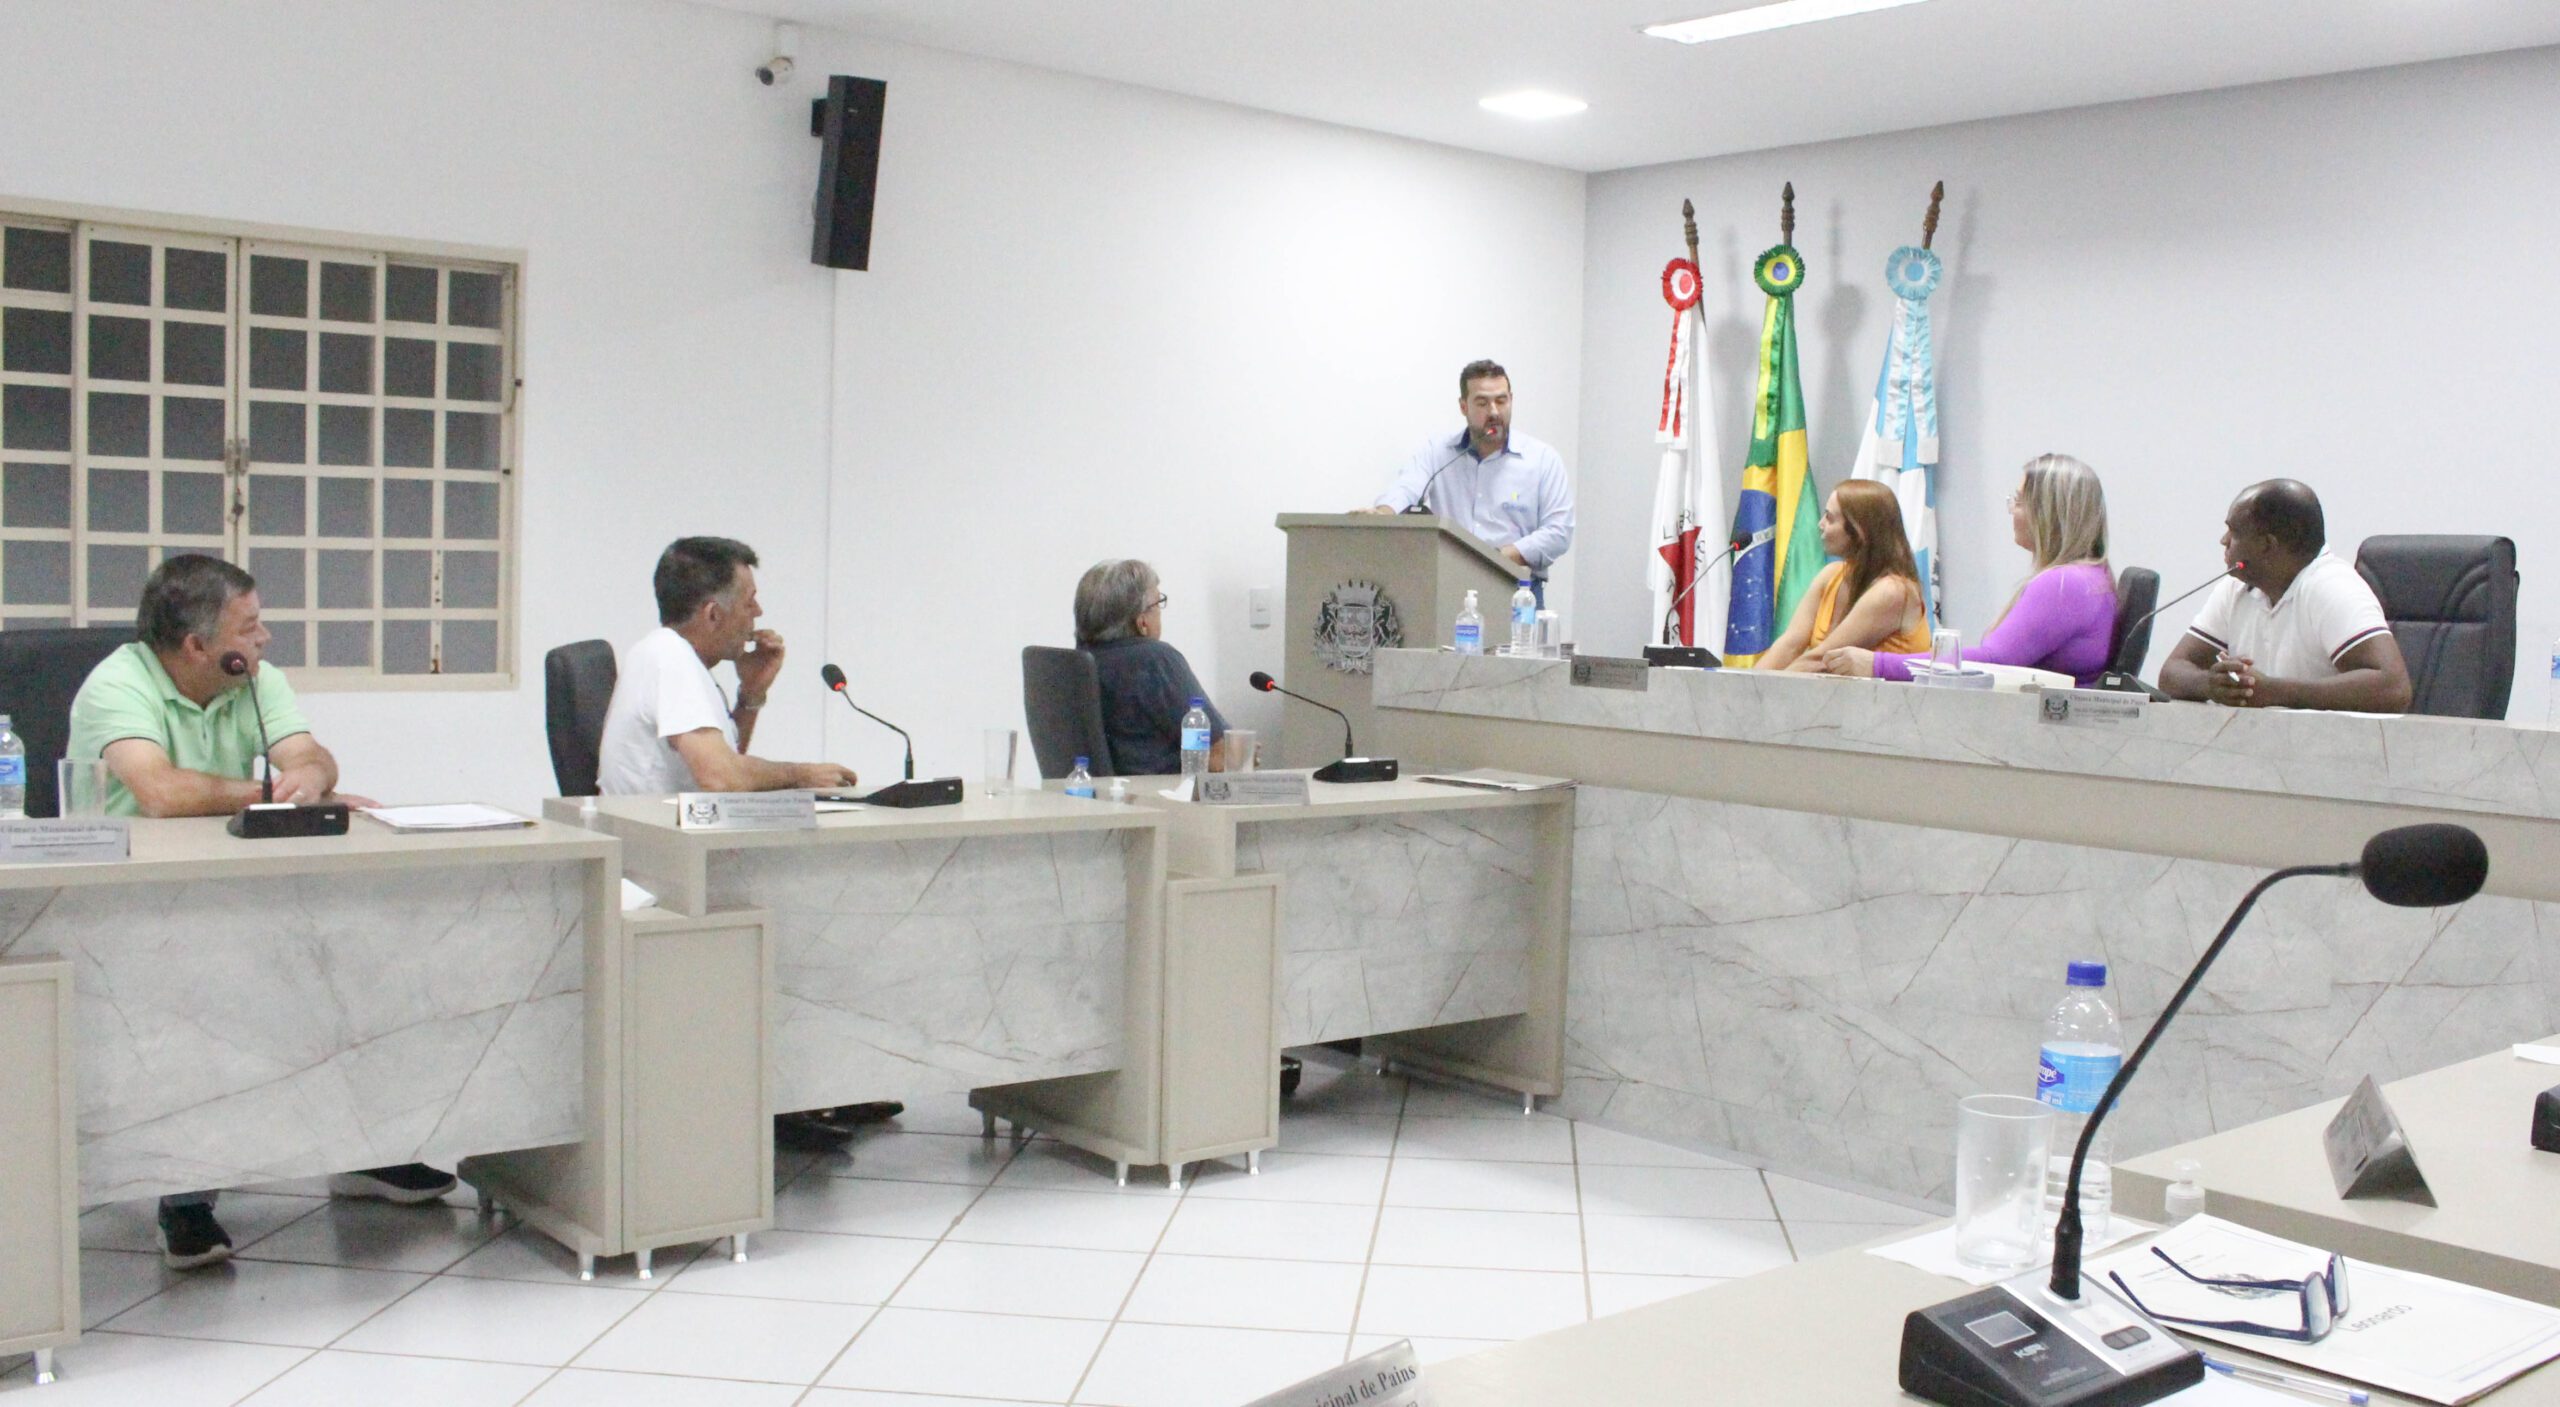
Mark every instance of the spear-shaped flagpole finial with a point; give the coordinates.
(1929, 226)
(1689, 231)
(1787, 214)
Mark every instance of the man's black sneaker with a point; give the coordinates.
(190, 1237)
(408, 1183)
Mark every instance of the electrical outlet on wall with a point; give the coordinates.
(1257, 606)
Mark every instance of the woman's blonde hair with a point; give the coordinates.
(2066, 518)
(2066, 511)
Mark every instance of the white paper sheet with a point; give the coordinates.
(2413, 1334)
(1935, 1251)
(451, 816)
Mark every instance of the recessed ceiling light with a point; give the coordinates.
(1759, 17)
(1531, 103)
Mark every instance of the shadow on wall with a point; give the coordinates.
(1832, 442)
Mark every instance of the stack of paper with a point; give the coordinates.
(2413, 1334)
(1488, 779)
(456, 816)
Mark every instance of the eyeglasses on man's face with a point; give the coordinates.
(1158, 603)
(2322, 1296)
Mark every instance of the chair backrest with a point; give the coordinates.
(577, 684)
(1062, 700)
(2451, 602)
(40, 673)
(2137, 593)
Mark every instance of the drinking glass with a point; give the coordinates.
(81, 784)
(1244, 751)
(2002, 1144)
(1946, 650)
(1000, 746)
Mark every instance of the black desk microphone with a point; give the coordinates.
(266, 820)
(2132, 683)
(1347, 768)
(908, 792)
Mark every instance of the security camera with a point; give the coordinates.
(776, 71)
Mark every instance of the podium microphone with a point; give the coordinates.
(266, 820)
(1347, 768)
(1422, 501)
(908, 792)
(2006, 1343)
(2132, 684)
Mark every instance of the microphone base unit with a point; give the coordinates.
(1358, 769)
(279, 820)
(2017, 1344)
(907, 795)
(2114, 683)
(1681, 657)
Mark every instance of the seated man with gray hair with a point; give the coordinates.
(1146, 684)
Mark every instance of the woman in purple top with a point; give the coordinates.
(2064, 617)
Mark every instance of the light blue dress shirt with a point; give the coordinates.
(1517, 498)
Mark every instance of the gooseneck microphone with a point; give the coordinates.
(236, 665)
(1422, 501)
(905, 793)
(2131, 682)
(1672, 615)
(1347, 768)
(2148, 616)
(1946, 1358)
(835, 681)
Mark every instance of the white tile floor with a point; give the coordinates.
(934, 1269)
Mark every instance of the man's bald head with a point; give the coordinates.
(2284, 511)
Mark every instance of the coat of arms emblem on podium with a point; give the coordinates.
(1354, 623)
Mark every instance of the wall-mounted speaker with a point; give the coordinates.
(848, 120)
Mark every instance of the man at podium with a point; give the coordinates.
(1486, 479)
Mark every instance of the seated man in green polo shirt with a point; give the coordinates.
(180, 738)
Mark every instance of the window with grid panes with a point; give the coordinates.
(338, 421)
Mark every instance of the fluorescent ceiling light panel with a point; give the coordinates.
(1533, 104)
(1734, 23)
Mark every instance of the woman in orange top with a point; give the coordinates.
(1875, 576)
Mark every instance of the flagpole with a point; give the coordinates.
(1929, 224)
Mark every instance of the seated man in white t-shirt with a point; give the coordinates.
(669, 728)
(2292, 627)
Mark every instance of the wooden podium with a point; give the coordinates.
(1359, 582)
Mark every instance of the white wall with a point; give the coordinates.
(2348, 280)
(1104, 322)
(1047, 324)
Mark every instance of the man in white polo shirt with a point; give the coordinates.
(2293, 627)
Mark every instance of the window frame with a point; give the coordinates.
(245, 240)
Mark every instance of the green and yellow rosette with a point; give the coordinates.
(1780, 271)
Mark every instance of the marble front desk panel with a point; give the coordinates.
(1390, 923)
(2458, 764)
(1819, 991)
(239, 1031)
(921, 969)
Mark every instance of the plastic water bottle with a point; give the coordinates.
(1080, 778)
(13, 773)
(1470, 639)
(1524, 619)
(2083, 1049)
(1119, 791)
(1195, 739)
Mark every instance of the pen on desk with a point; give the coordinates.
(2291, 1382)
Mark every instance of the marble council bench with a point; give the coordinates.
(1809, 914)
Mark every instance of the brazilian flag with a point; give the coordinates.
(1779, 519)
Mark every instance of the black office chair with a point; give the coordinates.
(2451, 602)
(1062, 700)
(577, 684)
(40, 673)
(2137, 595)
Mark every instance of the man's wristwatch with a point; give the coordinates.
(747, 705)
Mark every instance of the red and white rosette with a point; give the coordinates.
(1680, 289)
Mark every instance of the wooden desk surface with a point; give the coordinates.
(1823, 1333)
(2493, 1224)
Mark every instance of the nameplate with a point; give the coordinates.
(747, 810)
(84, 840)
(2369, 1153)
(1390, 1377)
(1605, 672)
(2091, 707)
(1252, 789)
